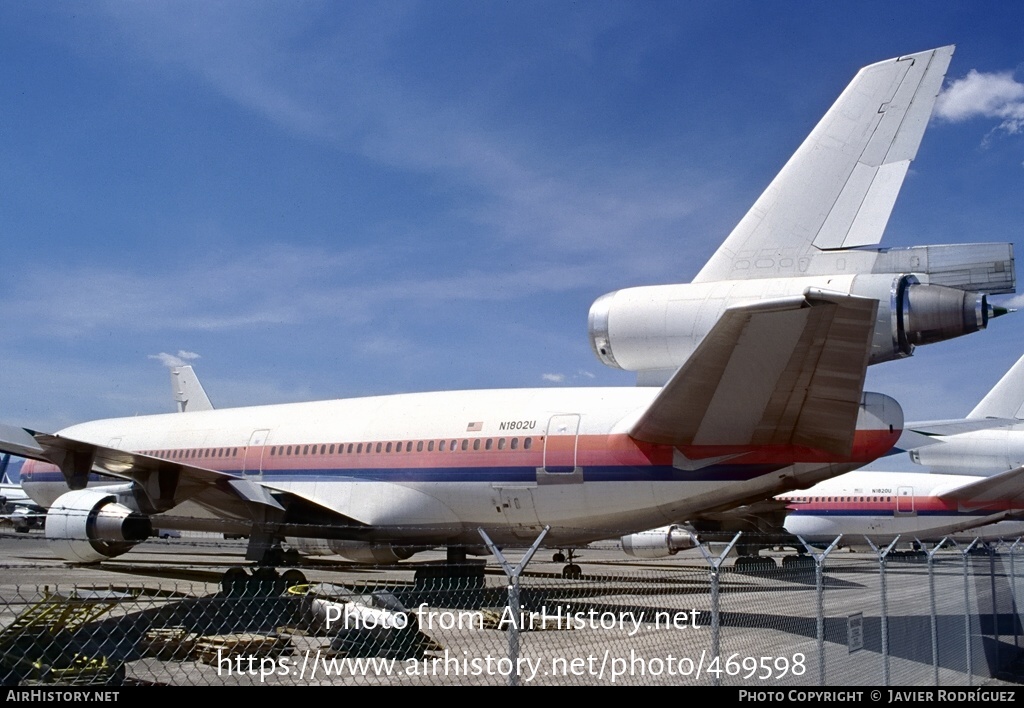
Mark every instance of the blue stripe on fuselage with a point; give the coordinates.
(664, 473)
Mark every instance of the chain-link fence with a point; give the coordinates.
(936, 617)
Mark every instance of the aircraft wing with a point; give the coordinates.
(916, 435)
(765, 516)
(779, 372)
(839, 188)
(1001, 490)
(162, 484)
(1006, 515)
(957, 426)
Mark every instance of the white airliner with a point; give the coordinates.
(759, 365)
(913, 506)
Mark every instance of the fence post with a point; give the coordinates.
(715, 619)
(965, 552)
(934, 611)
(513, 596)
(819, 586)
(995, 599)
(1013, 595)
(885, 607)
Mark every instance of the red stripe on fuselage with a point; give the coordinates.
(592, 450)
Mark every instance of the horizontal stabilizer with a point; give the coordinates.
(788, 372)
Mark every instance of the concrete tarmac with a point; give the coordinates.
(624, 622)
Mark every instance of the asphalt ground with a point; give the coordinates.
(633, 622)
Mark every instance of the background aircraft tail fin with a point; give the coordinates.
(188, 392)
(1006, 399)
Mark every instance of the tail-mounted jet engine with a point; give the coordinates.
(656, 328)
(660, 542)
(87, 526)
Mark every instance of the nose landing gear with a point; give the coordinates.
(571, 571)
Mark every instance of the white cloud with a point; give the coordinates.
(996, 95)
(554, 378)
(172, 360)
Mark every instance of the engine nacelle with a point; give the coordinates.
(87, 526)
(659, 543)
(658, 327)
(358, 551)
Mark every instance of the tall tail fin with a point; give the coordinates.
(1006, 399)
(188, 392)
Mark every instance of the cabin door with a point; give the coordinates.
(560, 444)
(252, 462)
(904, 501)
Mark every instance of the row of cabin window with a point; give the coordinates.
(404, 446)
(357, 448)
(808, 500)
(194, 453)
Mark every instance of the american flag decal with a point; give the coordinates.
(475, 427)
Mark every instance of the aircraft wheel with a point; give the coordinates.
(558, 558)
(293, 577)
(234, 582)
(754, 563)
(798, 561)
(266, 582)
(572, 572)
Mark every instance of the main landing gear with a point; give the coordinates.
(455, 571)
(571, 570)
(755, 563)
(262, 582)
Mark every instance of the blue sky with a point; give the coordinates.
(315, 200)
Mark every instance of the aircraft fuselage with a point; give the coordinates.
(435, 467)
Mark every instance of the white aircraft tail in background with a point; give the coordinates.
(189, 394)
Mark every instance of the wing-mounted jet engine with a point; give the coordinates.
(90, 525)
(811, 230)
